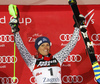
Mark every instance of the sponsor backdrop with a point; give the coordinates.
(56, 23)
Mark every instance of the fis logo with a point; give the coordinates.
(90, 18)
(95, 37)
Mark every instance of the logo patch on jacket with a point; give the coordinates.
(43, 63)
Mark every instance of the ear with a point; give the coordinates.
(50, 44)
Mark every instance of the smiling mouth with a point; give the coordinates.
(45, 50)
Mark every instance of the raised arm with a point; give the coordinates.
(62, 54)
(29, 60)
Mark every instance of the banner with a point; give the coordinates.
(55, 22)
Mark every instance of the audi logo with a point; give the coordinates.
(8, 80)
(98, 57)
(73, 58)
(95, 37)
(72, 79)
(7, 59)
(32, 80)
(7, 38)
(66, 37)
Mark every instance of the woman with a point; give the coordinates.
(46, 68)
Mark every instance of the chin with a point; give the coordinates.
(45, 54)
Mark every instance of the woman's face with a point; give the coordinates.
(44, 49)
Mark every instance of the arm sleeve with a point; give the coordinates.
(62, 54)
(29, 60)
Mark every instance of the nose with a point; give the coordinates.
(46, 47)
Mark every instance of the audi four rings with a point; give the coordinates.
(72, 79)
(8, 80)
(65, 79)
(95, 37)
(62, 37)
(66, 37)
(70, 58)
(7, 38)
(7, 59)
(73, 58)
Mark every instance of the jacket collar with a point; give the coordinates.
(47, 58)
